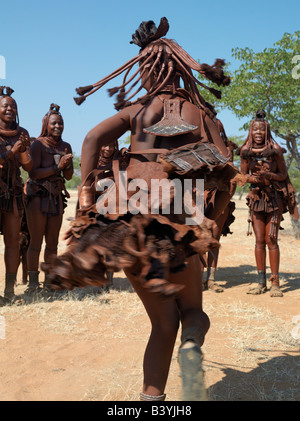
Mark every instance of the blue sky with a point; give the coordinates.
(51, 48)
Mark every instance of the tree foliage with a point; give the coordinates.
(269, 80)
(76, 178)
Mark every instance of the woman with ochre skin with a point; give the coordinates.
(221, 224)
(45, 192)
(271, 194)
(107, 153)
(14, 153)
(162, 64)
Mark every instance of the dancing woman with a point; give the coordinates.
(159, 253)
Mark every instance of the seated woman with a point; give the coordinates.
(271, 194)
(14, 153)
(45, 192)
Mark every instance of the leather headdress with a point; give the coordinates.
(43, 137)
(4, 92)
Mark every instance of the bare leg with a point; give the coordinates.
(51, 238)
(213, 255)
(36, 221)
(259, 228)
(11, 231)
(274, 253)
(195, 324)
(52, 235)
(165, 317)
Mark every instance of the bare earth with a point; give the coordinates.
(89, 346)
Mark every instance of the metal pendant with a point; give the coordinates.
(172, 124)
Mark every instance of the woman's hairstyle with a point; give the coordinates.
(260, 116)
(7, 91)
(54, 109)
(165, 60)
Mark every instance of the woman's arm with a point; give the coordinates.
(244, 166)
(66, 162)
(102, 134)
(22, 152)
(251, 178)
(281, 173)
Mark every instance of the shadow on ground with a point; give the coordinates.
(247, 274)
(275, 380)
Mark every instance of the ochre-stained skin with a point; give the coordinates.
(14, 141)
(262, 159)
(40, 223)
(162, 64)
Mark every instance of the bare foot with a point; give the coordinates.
(212, 286)
(257, 290)
(275, 291)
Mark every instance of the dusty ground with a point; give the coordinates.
(89, 347)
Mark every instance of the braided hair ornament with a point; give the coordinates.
(164, 59)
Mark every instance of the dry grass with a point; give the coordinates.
(93, 341)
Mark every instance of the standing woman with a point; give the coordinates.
(46, 193)
(271, 194)
(14, 153)
(222, 223)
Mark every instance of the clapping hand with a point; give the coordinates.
(65, 161)
(21, 144)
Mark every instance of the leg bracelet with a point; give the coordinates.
(145, 397)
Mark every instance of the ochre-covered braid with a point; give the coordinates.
(165, 60)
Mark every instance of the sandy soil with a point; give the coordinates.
(88, 346)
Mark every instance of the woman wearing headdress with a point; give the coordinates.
(46, 193)
(222, 223)
(14, 153)
(159, 253)
(108, 153)
(271, 194)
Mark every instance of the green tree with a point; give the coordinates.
(76, 178)
(268, 80)
(70, 184)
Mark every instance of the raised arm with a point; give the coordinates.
(21, 150)
(66, 163)
(103, 134)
